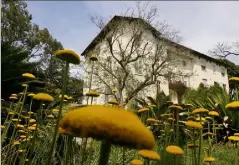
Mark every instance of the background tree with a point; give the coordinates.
(232, 68)
(132, 65)
(224, 49)
(180, 88)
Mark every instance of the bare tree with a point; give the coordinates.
(129, 59)
(224, 49)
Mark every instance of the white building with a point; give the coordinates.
(195, 67)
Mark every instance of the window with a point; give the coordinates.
(204, 81)
(223, 73)
(203, 68)
(184, 63)
(185, 82)
(214, 68)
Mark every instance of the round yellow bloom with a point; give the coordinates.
(200, 110)
(233, 105)
(55, 110)
(43, 97)
(65, 96)
(30, 113)
(92, 94)
(233, 138)
(136, 162)
(11, 113)
(21, 131)
(28, 75)
(31, 94)
(23, 136)
(34, 125)
(16, 143)
(50, 116)
(213, 113)
(32, 121)
(112, 123)
(2, 126)
(149, 154)
(20, 126)
(26, 117)
(14, 95)
(234, 80)
(113, 102)
(209, 159)
(93, 58)
(202, 119)
(144, 109)
(236, 134)
(68, 55)
(193, 124)
(193, 146)
(12, 98)
(175, 150)
(31, 128)
(21, 150)
(175, 107)
(16, 120)
(27, 160)
(151, 120)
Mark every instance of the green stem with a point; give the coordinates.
(194, 148)
(59, 115)
(69, 148)
(237, 156)
(200, 142)
(104, 153)
(177, 128)
(123, 156)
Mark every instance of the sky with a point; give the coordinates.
(202, 24)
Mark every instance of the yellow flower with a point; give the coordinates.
(31, 128)
(26, 160)
(31, 94)
(16, 120)
(144, 109)
(208, 118)
(68, 56)
(236, 134)
(69, 98)
(23, 136)
(65, 96)
(136, 162)
(12, 98)
(34, 125)
(213, 113)
(55, 110)
(202, 119)
(150, 120)
(175, 150)
(14, 95)
(43, 97)
(171, 119)
(30, 113)
(233, 105)
(21, 131)
(200, 110)
(24, 85)
(2, 126)
(234, 80)
(149, 154)
(20, 126)
(193, 146)
(28, 75)
(92, 94)
(11, 113)
(21, 150)
(209, 159)
(193, 124)
(50, 116)
(16, 143)
(112, 123)
(233, 138)
(26, 117)
(32, 121)
(113, 102)
(175, 107)
(93, 58)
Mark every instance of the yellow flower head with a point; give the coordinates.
(175, 150)
(27, 160)
(200, 110)
(68, 56)
(20, 126)
(12, 98)
(234, 80)
(150, 120)
(209, 159)
(136, 162)
(14, 95)
(93, 58)
(233, 105)
(175, 107)
(208, 118)
(26, 117)
(213, 113)
(16, 120)
(112, 123)
(236, 134)
(69, 98)
(50, 116)
(24, 85)
(2, 126)
(23, 136)
(31, 128)
(202, 119)
(33, 125)
(11, 113)
(21, 150)
(43, 97)
(113, 102)
(16, 143)
(193, 124)
(28, 75)
(55, 110)
(65, 96)
(144, 109)
(171, 119)
(31, 94)
(193, 146)
(32, 121)
(233, 138)
(92, 94)
(149, 154)
(30, 113)
(21, 131)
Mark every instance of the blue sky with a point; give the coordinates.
(202, 24)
